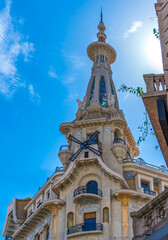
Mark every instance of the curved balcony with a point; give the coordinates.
(84, 228)
(149, 192)
(64, 154)
(119, 140)
(87, 191)
(119, 149)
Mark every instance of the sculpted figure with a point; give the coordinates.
(82, 104)
(111, 100)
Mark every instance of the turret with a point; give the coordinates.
(99, 111)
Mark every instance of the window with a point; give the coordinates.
(70, 219)
(97, 58)
(106, 215)
(92, 187)
(165, 188)
(92, 90)
(39, 203)
(86, 154)
(30, 212)
(145, 185)
(94, 140)
(102, 93)
(48, 194)
(90, 221)
(102, 58)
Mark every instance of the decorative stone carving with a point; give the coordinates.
(78, 133)
(119, 151)
(82, 104)
(111, 100)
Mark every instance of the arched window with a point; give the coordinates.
(92, 90)
(70, 219)
(92, 187)
(106, 215)
(102, 93)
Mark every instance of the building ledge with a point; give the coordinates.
(85, 233)
(131, 193)
(37, 216)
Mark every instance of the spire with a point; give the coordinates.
(101, 16)
(101, 35)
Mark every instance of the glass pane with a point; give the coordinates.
(102, 93)
(92, 90)
(145, 185)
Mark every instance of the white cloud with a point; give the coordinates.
(33, 95)
(134, 27)
(52, 74)
(12, 45)
(65, 80)
(77, 61)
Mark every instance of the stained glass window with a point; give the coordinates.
(102, 93)
(92, 90)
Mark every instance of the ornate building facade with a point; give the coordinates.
(101, 182)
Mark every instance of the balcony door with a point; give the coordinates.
(92, 187)
(90, 221)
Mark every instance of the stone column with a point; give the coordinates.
(54, 223)
(124, 198)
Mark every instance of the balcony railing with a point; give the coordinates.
(155, 82)
(65, 147)
(149, 192)
(85, 190)
(84, 228)
(119, 140)
(140, 161)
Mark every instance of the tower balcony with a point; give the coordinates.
(84, 228)
(84, 191)
(64, 154)
(119, 149)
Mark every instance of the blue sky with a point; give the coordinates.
(44, 69)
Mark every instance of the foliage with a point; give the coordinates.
(145, 128)
(156, 33)
(137, 91)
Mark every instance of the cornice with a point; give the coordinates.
(73, 171)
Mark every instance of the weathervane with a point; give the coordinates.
(84, 145)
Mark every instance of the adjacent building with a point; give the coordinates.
(151, 221)
(101, 181)
(156, 96)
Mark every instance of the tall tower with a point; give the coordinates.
(100, 183)
(100, 111)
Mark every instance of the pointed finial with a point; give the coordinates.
(101, 16)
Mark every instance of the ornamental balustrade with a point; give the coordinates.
(141, 162)
(151, 217)
(83, 227)
(89, 190)
(149, 192)
(155, 82)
